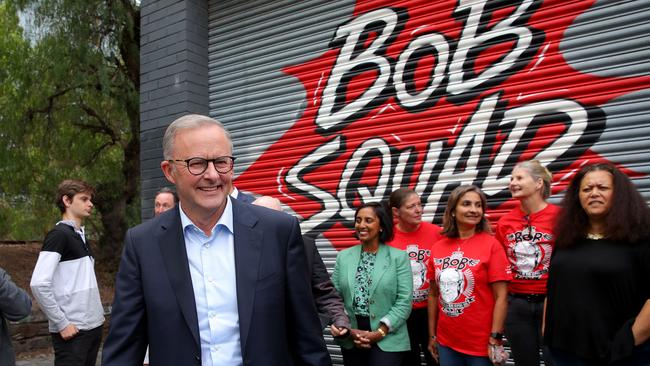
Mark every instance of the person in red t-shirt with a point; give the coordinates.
(469, 275)
(416, 238)
(527, 236)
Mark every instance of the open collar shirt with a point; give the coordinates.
(212, 269)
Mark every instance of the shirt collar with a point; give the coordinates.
(226, 219)
(234, 193)
(72, 224)
(79, 230)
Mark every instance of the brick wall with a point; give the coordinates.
(173, 79)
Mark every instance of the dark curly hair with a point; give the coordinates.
(628, 219)
(385, 220)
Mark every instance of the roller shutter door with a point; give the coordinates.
(331, 103)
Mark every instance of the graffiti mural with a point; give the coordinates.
(431, 95)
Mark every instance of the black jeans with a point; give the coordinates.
(369, 357)
(640, 357)
(81, 350)
(524, 331)
(418, 327)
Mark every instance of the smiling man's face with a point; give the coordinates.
(202, 196)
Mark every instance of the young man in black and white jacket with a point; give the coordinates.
(64, 282)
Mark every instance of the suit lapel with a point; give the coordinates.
(382, 263)
(172, 248)
(355, 258)
(248, 245)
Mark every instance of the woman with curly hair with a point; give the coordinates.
(598, 304)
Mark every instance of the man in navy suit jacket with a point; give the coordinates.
(212, 281)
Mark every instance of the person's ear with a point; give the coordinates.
(67, 201)
(167, 169)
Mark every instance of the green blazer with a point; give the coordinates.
(390, 294)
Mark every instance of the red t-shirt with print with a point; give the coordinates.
(417, 245)
(528, 241)
(464, 270)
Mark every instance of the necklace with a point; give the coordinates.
(592, 236)
(460, 243)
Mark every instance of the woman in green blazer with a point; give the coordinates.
(376, 284)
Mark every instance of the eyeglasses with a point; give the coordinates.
(198, 166)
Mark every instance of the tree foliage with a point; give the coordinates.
(69, 109)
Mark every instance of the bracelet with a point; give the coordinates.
(496, 335)
(381, 331)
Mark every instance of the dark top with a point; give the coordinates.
(63, 239)
(15, 304)
(595, 290)
(245, 197)
(328, 301)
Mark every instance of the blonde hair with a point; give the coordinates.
(538, 171)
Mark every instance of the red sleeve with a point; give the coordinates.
(498, 235)
(499, 268)
(431, 270)
(437, 235)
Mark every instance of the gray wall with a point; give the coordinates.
(173, 79)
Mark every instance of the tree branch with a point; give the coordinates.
(95, 155)
(104, 127)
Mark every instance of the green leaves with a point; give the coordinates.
(69, 109)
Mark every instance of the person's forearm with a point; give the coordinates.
(641, 325)
(15, 304)
(43, 289)
(432, 309)
(327, 299)
(500, 290)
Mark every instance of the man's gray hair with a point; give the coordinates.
(188, 122)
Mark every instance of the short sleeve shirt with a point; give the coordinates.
(417, 245)
(528, 241)
(463, 270)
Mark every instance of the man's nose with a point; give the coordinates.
(211, 170)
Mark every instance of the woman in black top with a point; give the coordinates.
(598, 305)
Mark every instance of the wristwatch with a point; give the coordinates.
(496, 335)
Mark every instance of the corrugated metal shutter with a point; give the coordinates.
(331, 102)
(250, 43)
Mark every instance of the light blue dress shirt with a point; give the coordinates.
(212, 268)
